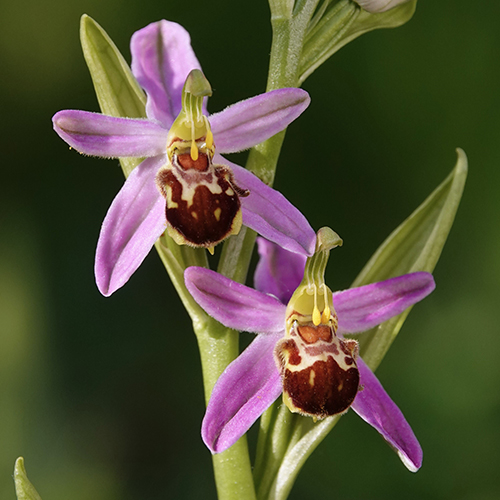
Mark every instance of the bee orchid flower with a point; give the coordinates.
(178, 141)
(300, 350)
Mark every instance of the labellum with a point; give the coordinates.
(320, 376)
(202, 199)
(318, 368)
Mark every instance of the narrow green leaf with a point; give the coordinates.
(342, 22)
(418, 242)
(24, 489)
(176, 259)
(325, 34)
(414, 246)
(275, 436)
(306, 437)
(116, 88)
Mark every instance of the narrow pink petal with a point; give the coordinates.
(101, 135)
(135, 220)
(254, 120)
(162, 58)
(270, 214)
(375, 407)
(234, 305)
(248, 386)
(278, 271)
(360, 309)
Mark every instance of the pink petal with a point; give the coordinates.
(254, 120)
(101, 135)
(270, 214)
(375, 407)
(135, 220)
(278, 271)
(162, 58)
(248, 386)
(362, 308)
(234, 305)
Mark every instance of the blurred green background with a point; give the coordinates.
(103, 397)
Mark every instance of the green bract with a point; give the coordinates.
(341, 22)
(24, 489)
(414, 246)
(117, 91)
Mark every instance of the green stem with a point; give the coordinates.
(279, 428)
(232, 469)
(236, 255)
(218, 346)
(289, 31)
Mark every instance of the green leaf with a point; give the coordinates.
(116, 88)
(24, 489)
(414, 246)
(342, 22)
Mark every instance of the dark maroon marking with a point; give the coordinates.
(226, 172)
(204, 229)
(197, 221)
(187, 163)
(333, 391)
(314, 350)
(312, 334)
(287, 348)
(348, 360)
(349, 346)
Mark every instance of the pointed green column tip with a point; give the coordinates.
(327, 239)
(197, 84)
(462, 165)
(24, 489)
